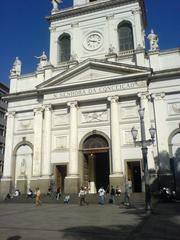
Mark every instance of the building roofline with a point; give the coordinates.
(96, 6)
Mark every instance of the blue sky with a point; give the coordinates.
(24, 31)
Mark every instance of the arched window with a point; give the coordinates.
(64, 47)
(125, 36)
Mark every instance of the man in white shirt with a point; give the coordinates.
(101, 193)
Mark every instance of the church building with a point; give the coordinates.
(69, 122)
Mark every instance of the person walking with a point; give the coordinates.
(38, 196)
(112, 195)
(82, 196)
(101, 193)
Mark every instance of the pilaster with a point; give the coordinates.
(72, 180)
(115, 137)
(37, 157)
(46, 161)
(8, 156)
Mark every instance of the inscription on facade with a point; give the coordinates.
(101, 89)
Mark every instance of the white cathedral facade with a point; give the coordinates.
(70, 121)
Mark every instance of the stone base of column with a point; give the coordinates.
(117, 180)
(43, 184)
(21, 185)
(5, 188)
(72, 184)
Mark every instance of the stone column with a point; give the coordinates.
(9, 166)
(144, 103)
(72, 180)
(116, 177)
(37, 158)
(46, 161)
(160, 111)
(8, 156)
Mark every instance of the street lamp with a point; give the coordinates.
(143, 144)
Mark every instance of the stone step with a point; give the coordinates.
(74, 199)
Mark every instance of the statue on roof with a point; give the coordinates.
(16, 68)
(153, 41)
(43, 61)
(55, 5)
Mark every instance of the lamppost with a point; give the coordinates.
(144, 144)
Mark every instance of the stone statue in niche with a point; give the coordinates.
(153, 41)
(23, 167)
(16, 69)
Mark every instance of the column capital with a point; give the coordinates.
(143, 95)
(158, 96)
(110, 17)
(10, 114)
(136, 11)
(47, 107)
(38, 110)
(113, 99)
(72, 104)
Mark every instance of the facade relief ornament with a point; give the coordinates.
(94, 116)
(176, 107)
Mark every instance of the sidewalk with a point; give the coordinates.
(93, 222)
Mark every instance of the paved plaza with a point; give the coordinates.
(93, 222)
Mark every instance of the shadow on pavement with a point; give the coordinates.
(114, 232)
(14, 238)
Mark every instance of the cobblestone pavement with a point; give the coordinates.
(93, 222)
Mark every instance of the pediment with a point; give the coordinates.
(91, 71)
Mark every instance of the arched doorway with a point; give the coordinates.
(22, 165)
(96, 164)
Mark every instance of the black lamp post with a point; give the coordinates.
(143, 144)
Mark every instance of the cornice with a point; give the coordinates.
(95, 7)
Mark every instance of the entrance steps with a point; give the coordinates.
(136, 198)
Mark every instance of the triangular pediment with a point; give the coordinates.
(91, 71)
